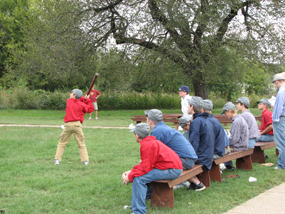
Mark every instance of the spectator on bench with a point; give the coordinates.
(242, 105)
(266, 128)
(220, 135)
(175, 140)
(239, 131)
(158, 162)
(201, 133)
(184, 122)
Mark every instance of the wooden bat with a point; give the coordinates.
(90, 88)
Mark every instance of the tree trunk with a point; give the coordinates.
(200, 87)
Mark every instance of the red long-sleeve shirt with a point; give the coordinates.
(155, 154)
(76, 109)
(266, 120)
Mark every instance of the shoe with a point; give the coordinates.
(230, 167)
(56, 162)
(127, 207)
(197, 187)
(89, 118)
(179, 186)
(266, 156)
(85, 162)
(96, 118)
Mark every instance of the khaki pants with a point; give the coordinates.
(70, 128)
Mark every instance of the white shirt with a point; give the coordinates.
(184, 104)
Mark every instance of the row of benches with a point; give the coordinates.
(174, 118)
(163, 196)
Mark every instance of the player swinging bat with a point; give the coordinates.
(94, 94)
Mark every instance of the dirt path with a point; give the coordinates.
(59, 126)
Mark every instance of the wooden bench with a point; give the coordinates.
(174, 118)
(162, 194)
(258, 153)
(243, 161)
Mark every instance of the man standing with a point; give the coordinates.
(278, 117)
(158, 162)
(184, 94)
(94, 95)
(266, 128)
(242, 105)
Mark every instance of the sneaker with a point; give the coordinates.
(127, 207)
(85, 162)
(230, 167)
(89, 118)
(266, 156)
(96, 118)
(179, 186)
(56, 162)
(197, 187)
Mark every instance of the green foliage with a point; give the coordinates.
(53, 101)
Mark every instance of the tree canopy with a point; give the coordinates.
(190, 33)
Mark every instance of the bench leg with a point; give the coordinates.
(162, 195)
(276, 152)
(204, 177)
(258, 155)
(215, 173)
(244, 163)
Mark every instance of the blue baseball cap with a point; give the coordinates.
(184, 88)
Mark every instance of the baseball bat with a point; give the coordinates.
(93, 81)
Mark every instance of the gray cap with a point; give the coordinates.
(243, 100)
(265, 102)
(207, 105)
(184, 120)
(154, 114)
(77, 92)
(228, 106)
(278, 77)
(142, 130)
(196, 101)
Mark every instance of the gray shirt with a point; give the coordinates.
(252, 124)
(239, 134)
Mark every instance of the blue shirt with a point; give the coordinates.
(279, 106)
(219, 131)
(239, 134)
(253, 131)
(202, 138)
(173, 139)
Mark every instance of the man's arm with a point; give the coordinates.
(268, 128)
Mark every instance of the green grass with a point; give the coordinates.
(31, 183)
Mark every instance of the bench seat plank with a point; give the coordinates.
(243, 161)
(162, 193)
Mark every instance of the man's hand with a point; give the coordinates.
(125, 177)
(87, 96)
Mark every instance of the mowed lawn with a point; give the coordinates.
(31, 183)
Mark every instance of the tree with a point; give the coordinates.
(56, 54)
(190, 32)
(14, 14)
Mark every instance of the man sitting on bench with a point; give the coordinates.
(184, 122)
(220, 135)
(158, 162)
(239, 131)
(266, 128)
(201, 134)
(175, 140)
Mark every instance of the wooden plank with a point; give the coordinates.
(233, 156)
(162, 195)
